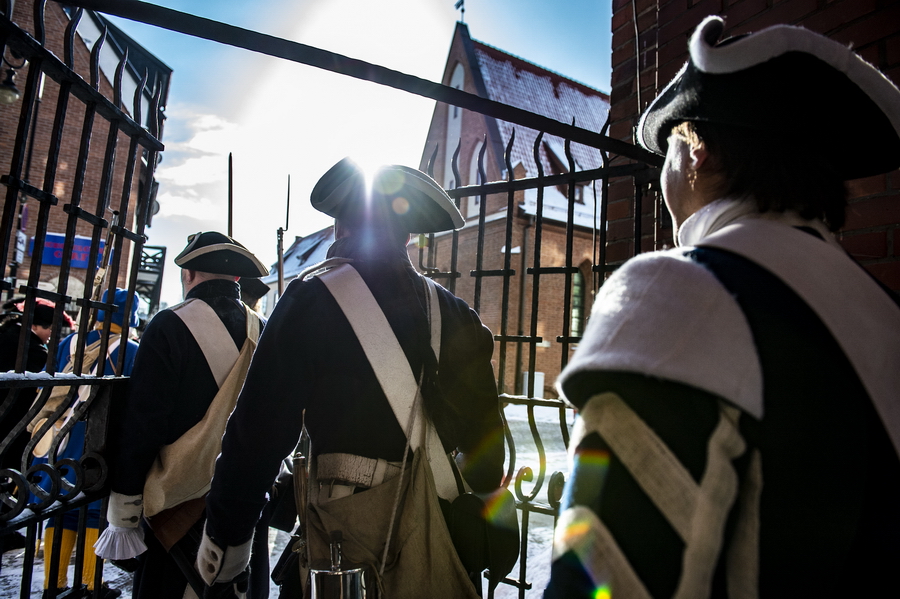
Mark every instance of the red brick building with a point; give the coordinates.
(89, 30)
(478, 68)
(656, 48)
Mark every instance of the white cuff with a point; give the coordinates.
(125, 511)
(118, 542)
(221, 565)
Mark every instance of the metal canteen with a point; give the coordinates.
(341, 581)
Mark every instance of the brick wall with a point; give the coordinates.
(548, 358)
(872, 232)
(55, 24)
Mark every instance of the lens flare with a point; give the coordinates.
(593, 458)
(574, 531)
(388, 182)
(400, 205)
(602, 592)
(496, 505)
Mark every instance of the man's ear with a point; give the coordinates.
(699, 156)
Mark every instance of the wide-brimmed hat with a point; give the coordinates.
(807, 91)
(219, 254)
(120, 299)
(415, 201)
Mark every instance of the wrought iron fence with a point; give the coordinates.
(537, 423)
(537, 475)
(94, 160)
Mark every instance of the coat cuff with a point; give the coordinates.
(125, 511)
(216, 564)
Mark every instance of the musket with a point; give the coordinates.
(301, 463)
(104, 266)
(287, 220)
(230, 193)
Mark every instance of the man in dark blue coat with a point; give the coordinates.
(310, 361)
(173, 385)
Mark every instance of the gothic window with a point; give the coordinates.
(473, 203)
(577, 316)
(454, 127)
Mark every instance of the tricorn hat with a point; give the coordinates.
(805, 89)
(252, 289)
(413, 199)
(219, 254)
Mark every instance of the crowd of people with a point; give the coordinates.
(738, 428)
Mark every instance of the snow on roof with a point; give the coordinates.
(556, 207)
(517, 82)
(303, 253)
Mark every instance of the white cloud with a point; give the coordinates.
(186, 204)
(298, 120)
(194, 171)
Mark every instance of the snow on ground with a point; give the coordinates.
(540, 527)
(11, 573)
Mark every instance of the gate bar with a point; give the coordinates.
(231, 35)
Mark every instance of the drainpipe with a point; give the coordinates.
(521, 318)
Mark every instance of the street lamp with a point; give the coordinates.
(9, 93)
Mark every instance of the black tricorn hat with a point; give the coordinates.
(801, 87)
(252, 289)
(219, 254)
(415, 201)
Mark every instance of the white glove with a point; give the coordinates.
(123, 538)
(217, 565)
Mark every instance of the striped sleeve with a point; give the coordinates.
(660, 495)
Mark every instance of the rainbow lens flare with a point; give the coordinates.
(592, 458)
(496, 504)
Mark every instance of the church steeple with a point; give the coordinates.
(461, 7)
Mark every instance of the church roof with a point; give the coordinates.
(517, 82)
(512, 80)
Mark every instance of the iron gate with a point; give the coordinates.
(105, 193)
(540, 441)
(537, 486)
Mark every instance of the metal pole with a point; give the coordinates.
(230, 193)
(280, 261)
(287, 222)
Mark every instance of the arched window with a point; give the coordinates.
(473, 204)
(576, 328)
(454, 126)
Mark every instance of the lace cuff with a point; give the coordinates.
(118, 542)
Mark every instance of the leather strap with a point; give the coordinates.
(390, 364)
(211, 335)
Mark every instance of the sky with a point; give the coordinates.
(279, 118)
